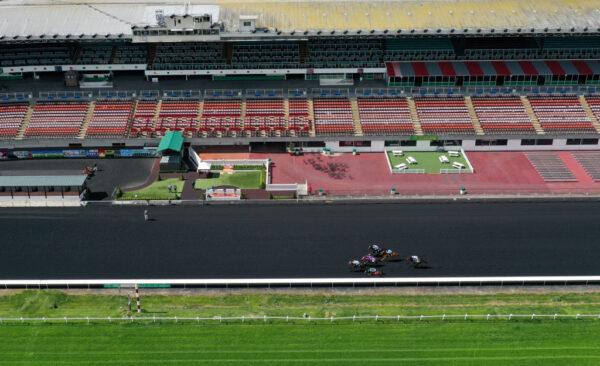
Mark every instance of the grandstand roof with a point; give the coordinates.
(37, 17)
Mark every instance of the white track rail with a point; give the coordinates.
(303, 282)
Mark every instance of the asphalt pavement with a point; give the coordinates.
(292, 241)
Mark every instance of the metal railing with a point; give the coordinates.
(299, 319)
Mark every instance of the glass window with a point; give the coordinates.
(573, 141)
(589, 141)
(408, 143)
(544, 142)
(527, 142)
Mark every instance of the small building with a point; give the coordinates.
(42, 188)
(171, 150)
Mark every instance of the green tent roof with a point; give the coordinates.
(173, 140)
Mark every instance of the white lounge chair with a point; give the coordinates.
(397, 153)
(454, 153)
(458, 165)
(411, 160)
(401, 166)
(444, 159)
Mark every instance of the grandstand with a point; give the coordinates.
(471, 72)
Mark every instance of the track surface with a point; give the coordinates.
(262, 241)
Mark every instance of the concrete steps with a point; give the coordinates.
(311, 116)
(25, 123)
(156, 113)
(356, 117)
(286, 112)
(534, 120)
(132, 116)
(590, 113)
(474, 117)
(414, 116)
(86, 121)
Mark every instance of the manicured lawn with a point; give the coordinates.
(156, 191)
(415, 343)
(456, 342)
(427, 160)
(244, 179)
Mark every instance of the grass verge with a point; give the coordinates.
(243, 179)
(499, 342)
(156, 191)
(427, 160)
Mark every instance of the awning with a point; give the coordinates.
(42, 180)
(173, 140)
(492, 68)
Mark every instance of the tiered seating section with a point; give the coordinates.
(502, 115)
(189, 56)
(51, 119)
(110, 119)
(561, 114)
(267, 116)
(551, 167)
(220, 117)
(345, 53)
(590, 161)
(385, 116)
(299, 116)
(177, 115)
(279, 55)
(444, 115)
(11, 118)
(333, 116)
(143, 119)
(594, 103)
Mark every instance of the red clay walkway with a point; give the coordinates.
(368, 174)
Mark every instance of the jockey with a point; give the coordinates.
(375, 249)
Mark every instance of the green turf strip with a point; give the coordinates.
(156, 191)
(244, 179)
(435, 343)
(427, 160)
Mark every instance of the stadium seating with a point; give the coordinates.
(11, 118)
(110, 119)
(94, 55)
(415, 49)
(51, 119)
(594, 103)
(32, 55)
(502, 115)
(444, 115)
(143, 123)
(130, 54)
(333, 116)
(550, 167)
(265, 55)
(561, 114)
(189, 56)
(385, 116)
(220, 117)
(176, 115)
(331, 53)
(265, 116)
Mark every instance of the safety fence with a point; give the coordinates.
(297, 319)
(325, 92)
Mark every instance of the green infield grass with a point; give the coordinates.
(256, 342)
(413, 343)
(158, 190)
(243, 179)
(426, 160)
